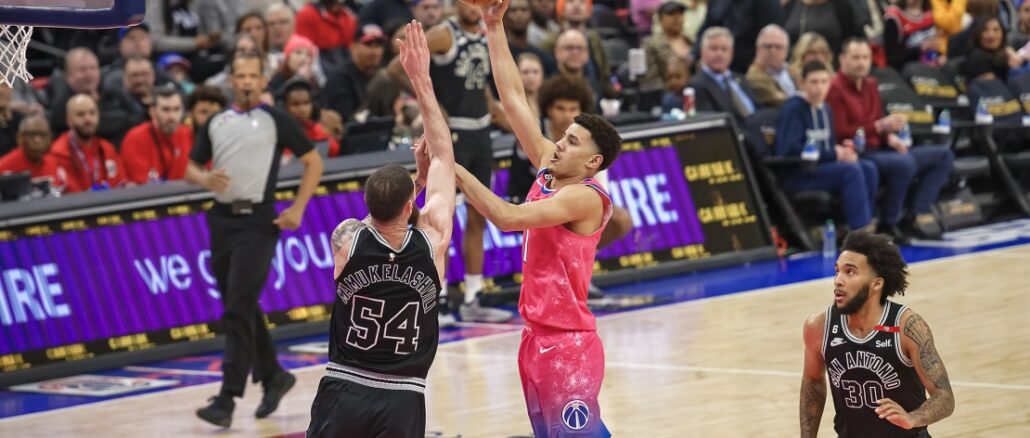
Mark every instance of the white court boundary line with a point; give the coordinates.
(179, 371)
(444, 350)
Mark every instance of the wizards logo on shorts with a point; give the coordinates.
(575, 415)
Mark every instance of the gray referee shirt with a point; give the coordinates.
(249, 145)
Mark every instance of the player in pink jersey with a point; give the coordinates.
(561, 359)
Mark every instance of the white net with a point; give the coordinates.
(14, 40)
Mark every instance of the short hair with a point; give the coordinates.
(31, 119)
(770, 28)
(607, 139)
(164, 91)
(386, 191)
(528, 56)
(138, 59)
(246, 54)
(813, 67)
(883, 257)
(565, 87)
(853, 40)
(280, 7)
(206, 93)
(78, 52)
(715, 32)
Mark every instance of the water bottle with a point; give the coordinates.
(829, 240)
(983, 116)
(153, 177)
(944, 122)
(811, 152)
(905, 135)
(859, 140)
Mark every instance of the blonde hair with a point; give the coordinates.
(807, 42)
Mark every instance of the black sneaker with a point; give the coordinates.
(446, 313)
(275, 388)
(219, 411)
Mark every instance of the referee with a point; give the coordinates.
(244, 144)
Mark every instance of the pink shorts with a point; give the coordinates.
(561, 377)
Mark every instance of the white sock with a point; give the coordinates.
(473, 284)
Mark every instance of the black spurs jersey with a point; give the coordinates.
(863, 371)
(460, 78)
(384, 329)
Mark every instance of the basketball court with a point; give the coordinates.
(723, 358)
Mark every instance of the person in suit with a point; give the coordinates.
(744, 19)
(718, 88)
(769, 74)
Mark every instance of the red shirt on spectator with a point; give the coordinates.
(146, 149)
(316, 133)
(326, 30)
(16, 161)
(88, 165)
(853, 108)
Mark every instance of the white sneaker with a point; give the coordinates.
(447, 320)
(477, 313)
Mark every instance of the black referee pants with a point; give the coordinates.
(242, 247)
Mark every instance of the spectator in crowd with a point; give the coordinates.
(805, 118)
(647, 20)
(132, 42)
(856, 104)
(299, 100)
(811, 47)
(138, 82)
(331, 26)
(833, 19)
(532, 72)
(218, 16)
(386, 100)
(301, 64)
(345, 89)
(253, 24)
(574, 15)
(118, 113)
(204, 102)
(177, 68)
(176, 29)
(9, 121)
(570, 53)
(281, 22)
(516, 23)
(769, 74)
(988, 42)
(158, 150)
(670, 43)
(963, 40)
(33, 152)
(244, 43)
(947, 19)
(91, 162)
(744, 18)
(677, 76)
(717, 87)
(908, 34)
(1020, 36)
(543, 23)
(427, 12)
(378, 12)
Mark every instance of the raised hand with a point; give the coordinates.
(493, 13)
(414, 51)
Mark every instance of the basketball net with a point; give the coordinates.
(14, 40)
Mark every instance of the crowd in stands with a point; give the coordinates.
(120, 107)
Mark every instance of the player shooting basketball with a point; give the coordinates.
(383, 334)
(563, 218)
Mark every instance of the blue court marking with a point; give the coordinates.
(201, 369)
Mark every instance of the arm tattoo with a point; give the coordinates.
(344, 232)
(813, 399)
(942, 402)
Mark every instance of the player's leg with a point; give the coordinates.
(341, 409)
(529, 372)
(571, 409)
(402, 415)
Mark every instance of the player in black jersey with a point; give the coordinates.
(879, 354)
(384, 332)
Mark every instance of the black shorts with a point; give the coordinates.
(344, 409)
(474, 151)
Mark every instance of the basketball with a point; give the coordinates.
(480, 3)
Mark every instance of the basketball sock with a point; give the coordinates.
(473, 284)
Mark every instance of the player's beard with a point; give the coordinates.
(856, 302)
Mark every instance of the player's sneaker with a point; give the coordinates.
(219, 412)
(446, 314)
(275, 389)
(476, 313)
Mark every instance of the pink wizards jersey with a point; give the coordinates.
(556, 268)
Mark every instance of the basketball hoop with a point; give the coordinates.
(14, 40)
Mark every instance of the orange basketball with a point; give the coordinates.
(479, 3)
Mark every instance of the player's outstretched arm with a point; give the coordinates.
(813, 379)
(573, 203)
(439, 208)
(509, 86)
(917, 343)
